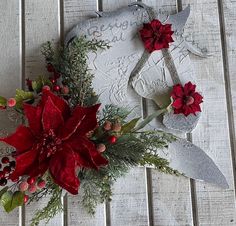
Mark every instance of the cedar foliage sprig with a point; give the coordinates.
(133, 148)
(71, 62)
(130, 150)
(53, 207)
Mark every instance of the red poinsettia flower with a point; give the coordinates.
(156, 35)
(55, 140)
(185, 99)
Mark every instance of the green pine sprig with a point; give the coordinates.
(53, 207)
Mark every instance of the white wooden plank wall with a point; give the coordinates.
(144, 197)
(10, 70)
(214, 206)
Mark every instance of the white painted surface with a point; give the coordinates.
(172, 203)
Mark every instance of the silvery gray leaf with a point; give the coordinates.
(179, 20)
(193, 48)
(193, 162)
(181, 122)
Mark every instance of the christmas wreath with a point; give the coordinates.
(69, 141)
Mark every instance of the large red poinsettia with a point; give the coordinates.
(55, 140)
(185, 99)
(156, 35)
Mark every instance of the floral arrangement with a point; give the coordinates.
(69, 142)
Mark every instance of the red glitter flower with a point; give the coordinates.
(185, 99)
(55, 140)
(156, 35)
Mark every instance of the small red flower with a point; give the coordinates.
(55, 140)
(156, 35)
(185, 99)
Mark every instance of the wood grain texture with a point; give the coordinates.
(10, 74)
(229, 7)
(171, 195)
(42, 24)
(215, 206)
(229, 16)
(129, 202)
(109, 5)
(74, 12)
(77, 215)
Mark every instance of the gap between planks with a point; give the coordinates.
(179, 6)
(22, 219)
(22, 55)
(148, 171)
(193, 193)
(61, 21)
(228, 93)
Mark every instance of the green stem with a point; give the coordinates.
(149, 119)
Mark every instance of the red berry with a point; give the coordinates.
(53, 81)
(107, 125)
(101, 148)
(2, 174)
(3, 181)
(5, 160)
(32, 188)
(41, 184)
(50, 68)
(31, 180)
(26, 198)
(47, 88)
(11, 102)
(23, 186)
(65, 89)
(0, 165)
(7, 169)
(56, 88)
(112, 139)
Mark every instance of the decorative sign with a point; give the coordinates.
(112, 69)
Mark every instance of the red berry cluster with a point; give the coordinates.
(53, 79)
(7, 167)
(31, 185)
(113, 130)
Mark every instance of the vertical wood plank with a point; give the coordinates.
(42, 24)
(129, 201)
(228, 12)
(215, 206)
(171, 195)
(74, 12)
(109, 5)
(10, 75)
